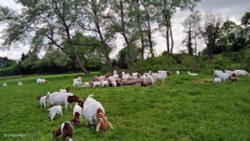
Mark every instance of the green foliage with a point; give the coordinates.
(5, 62)
(55, 61)
(123, 56)
(230, 61)
(245, 18)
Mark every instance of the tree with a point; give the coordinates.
(166, 10)
(123, 25)
(150, 12)
(55, 61)
(45, 24)
(122, 56)
(101, 21)
(210, 31)
(188, 41)
(245, 21)
(192, 22)
(29, 64)
(232, 37)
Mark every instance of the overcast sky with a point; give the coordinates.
(227, 9)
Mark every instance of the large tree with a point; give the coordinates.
(210, 31)
(122, 24)
(166, 10)
(47, 24)
(98, 14)
(192, 24)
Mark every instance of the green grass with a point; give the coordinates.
(184, 108)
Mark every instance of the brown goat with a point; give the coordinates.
(103, 125)
(66, 130)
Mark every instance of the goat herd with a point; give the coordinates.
(92, 110)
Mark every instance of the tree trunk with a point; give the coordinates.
(104, 45)
(149, 34)
(142, 48)
(81, 64)
(138, 19)
(167, 40)
(195, 46)
(171, 36)
(124, 35)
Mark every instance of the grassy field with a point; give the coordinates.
(184, 108)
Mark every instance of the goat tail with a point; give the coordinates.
(91, 95)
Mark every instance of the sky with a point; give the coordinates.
(227, 9)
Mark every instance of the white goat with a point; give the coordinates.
(55, 110)
(147, 79)
(42, 101)
(61, 98)
(78, 109)
(5, 84)
(104, 83)
(223, 76)
(20, 84)
(95, 84)
(41, 81)
(178, 72)
(94, 111)
(77, 82)
(161, 75)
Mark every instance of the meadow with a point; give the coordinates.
(184, 108)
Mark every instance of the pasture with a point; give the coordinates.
(183, 108)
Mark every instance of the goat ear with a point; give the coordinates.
(98, 126)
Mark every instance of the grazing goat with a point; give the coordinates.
(42, 100)
(20, 84)
(104, 83)
(77, 82)
(94, 111)
(60, 98)
(159, 76)
(55, 110)
(5, 84)
(94, 84)
(178, 72)
(66, 130)
(41, 81)
(221, 75)
(147, 79)
(77, 112)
